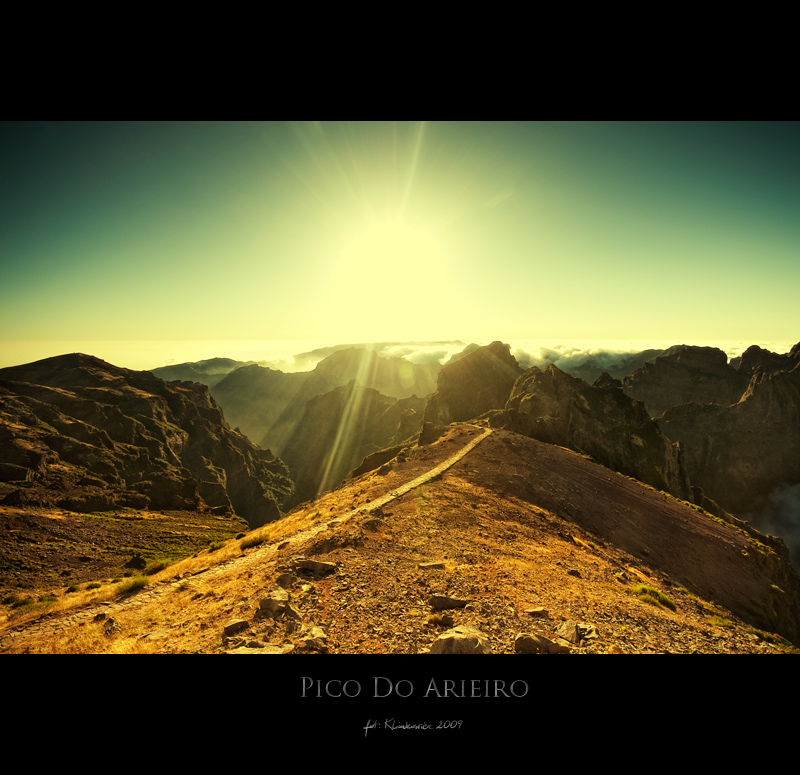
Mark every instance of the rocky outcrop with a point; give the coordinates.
(685, 374)
(599, 421)
(95, 436)
(473, 385)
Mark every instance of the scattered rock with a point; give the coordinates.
(537, 644)
(463, 639)
(274, 603)
(315, 638)
(538, 611)
(234, 626)
(440, 602)
(574, 633)
(285, 580)
(569, 631)
(314, 566)
(284, 649)
(111, 628)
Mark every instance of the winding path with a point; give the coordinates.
(55, 621)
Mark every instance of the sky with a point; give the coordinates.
(398, 231)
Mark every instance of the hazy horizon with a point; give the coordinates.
(283, 354)
(399, 231)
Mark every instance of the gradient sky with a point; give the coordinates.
(368, 231)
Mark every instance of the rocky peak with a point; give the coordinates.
(755, 357)
(479, 382)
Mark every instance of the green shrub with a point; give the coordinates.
(132, 585)
(653, 596)
(93, 585)
(155, 567)
(214, 545)
(251, 541)
(720, 622)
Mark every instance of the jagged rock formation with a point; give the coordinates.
(739, 453)
(476, 383)
(600, 421)
(79, 433)
(342, 427)
(685, 374)
(589, 367)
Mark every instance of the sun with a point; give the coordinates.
(393, 244)
(390, 260)
(384, 277)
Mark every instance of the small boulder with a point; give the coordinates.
(234, 626)
(440, 602)
(274, 603)
(463, 639)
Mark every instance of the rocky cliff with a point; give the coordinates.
(599, 421)
(478, 382)
(739, 453)
(85, 435)
(682, 375)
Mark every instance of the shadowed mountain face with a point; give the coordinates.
(739, 428)
(739, 453)
(84, 435)
(340, 428)
(207, 372)
(267, 405)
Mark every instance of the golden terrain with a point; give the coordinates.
(530, 535)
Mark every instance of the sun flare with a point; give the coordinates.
(392, 244)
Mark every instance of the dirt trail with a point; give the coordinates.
(59, 620)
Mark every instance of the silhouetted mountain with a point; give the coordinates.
(208, 372)
(267, 405)
(254, 398)
(82, 434)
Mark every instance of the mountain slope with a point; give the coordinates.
(520, 537)
(85, 435)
